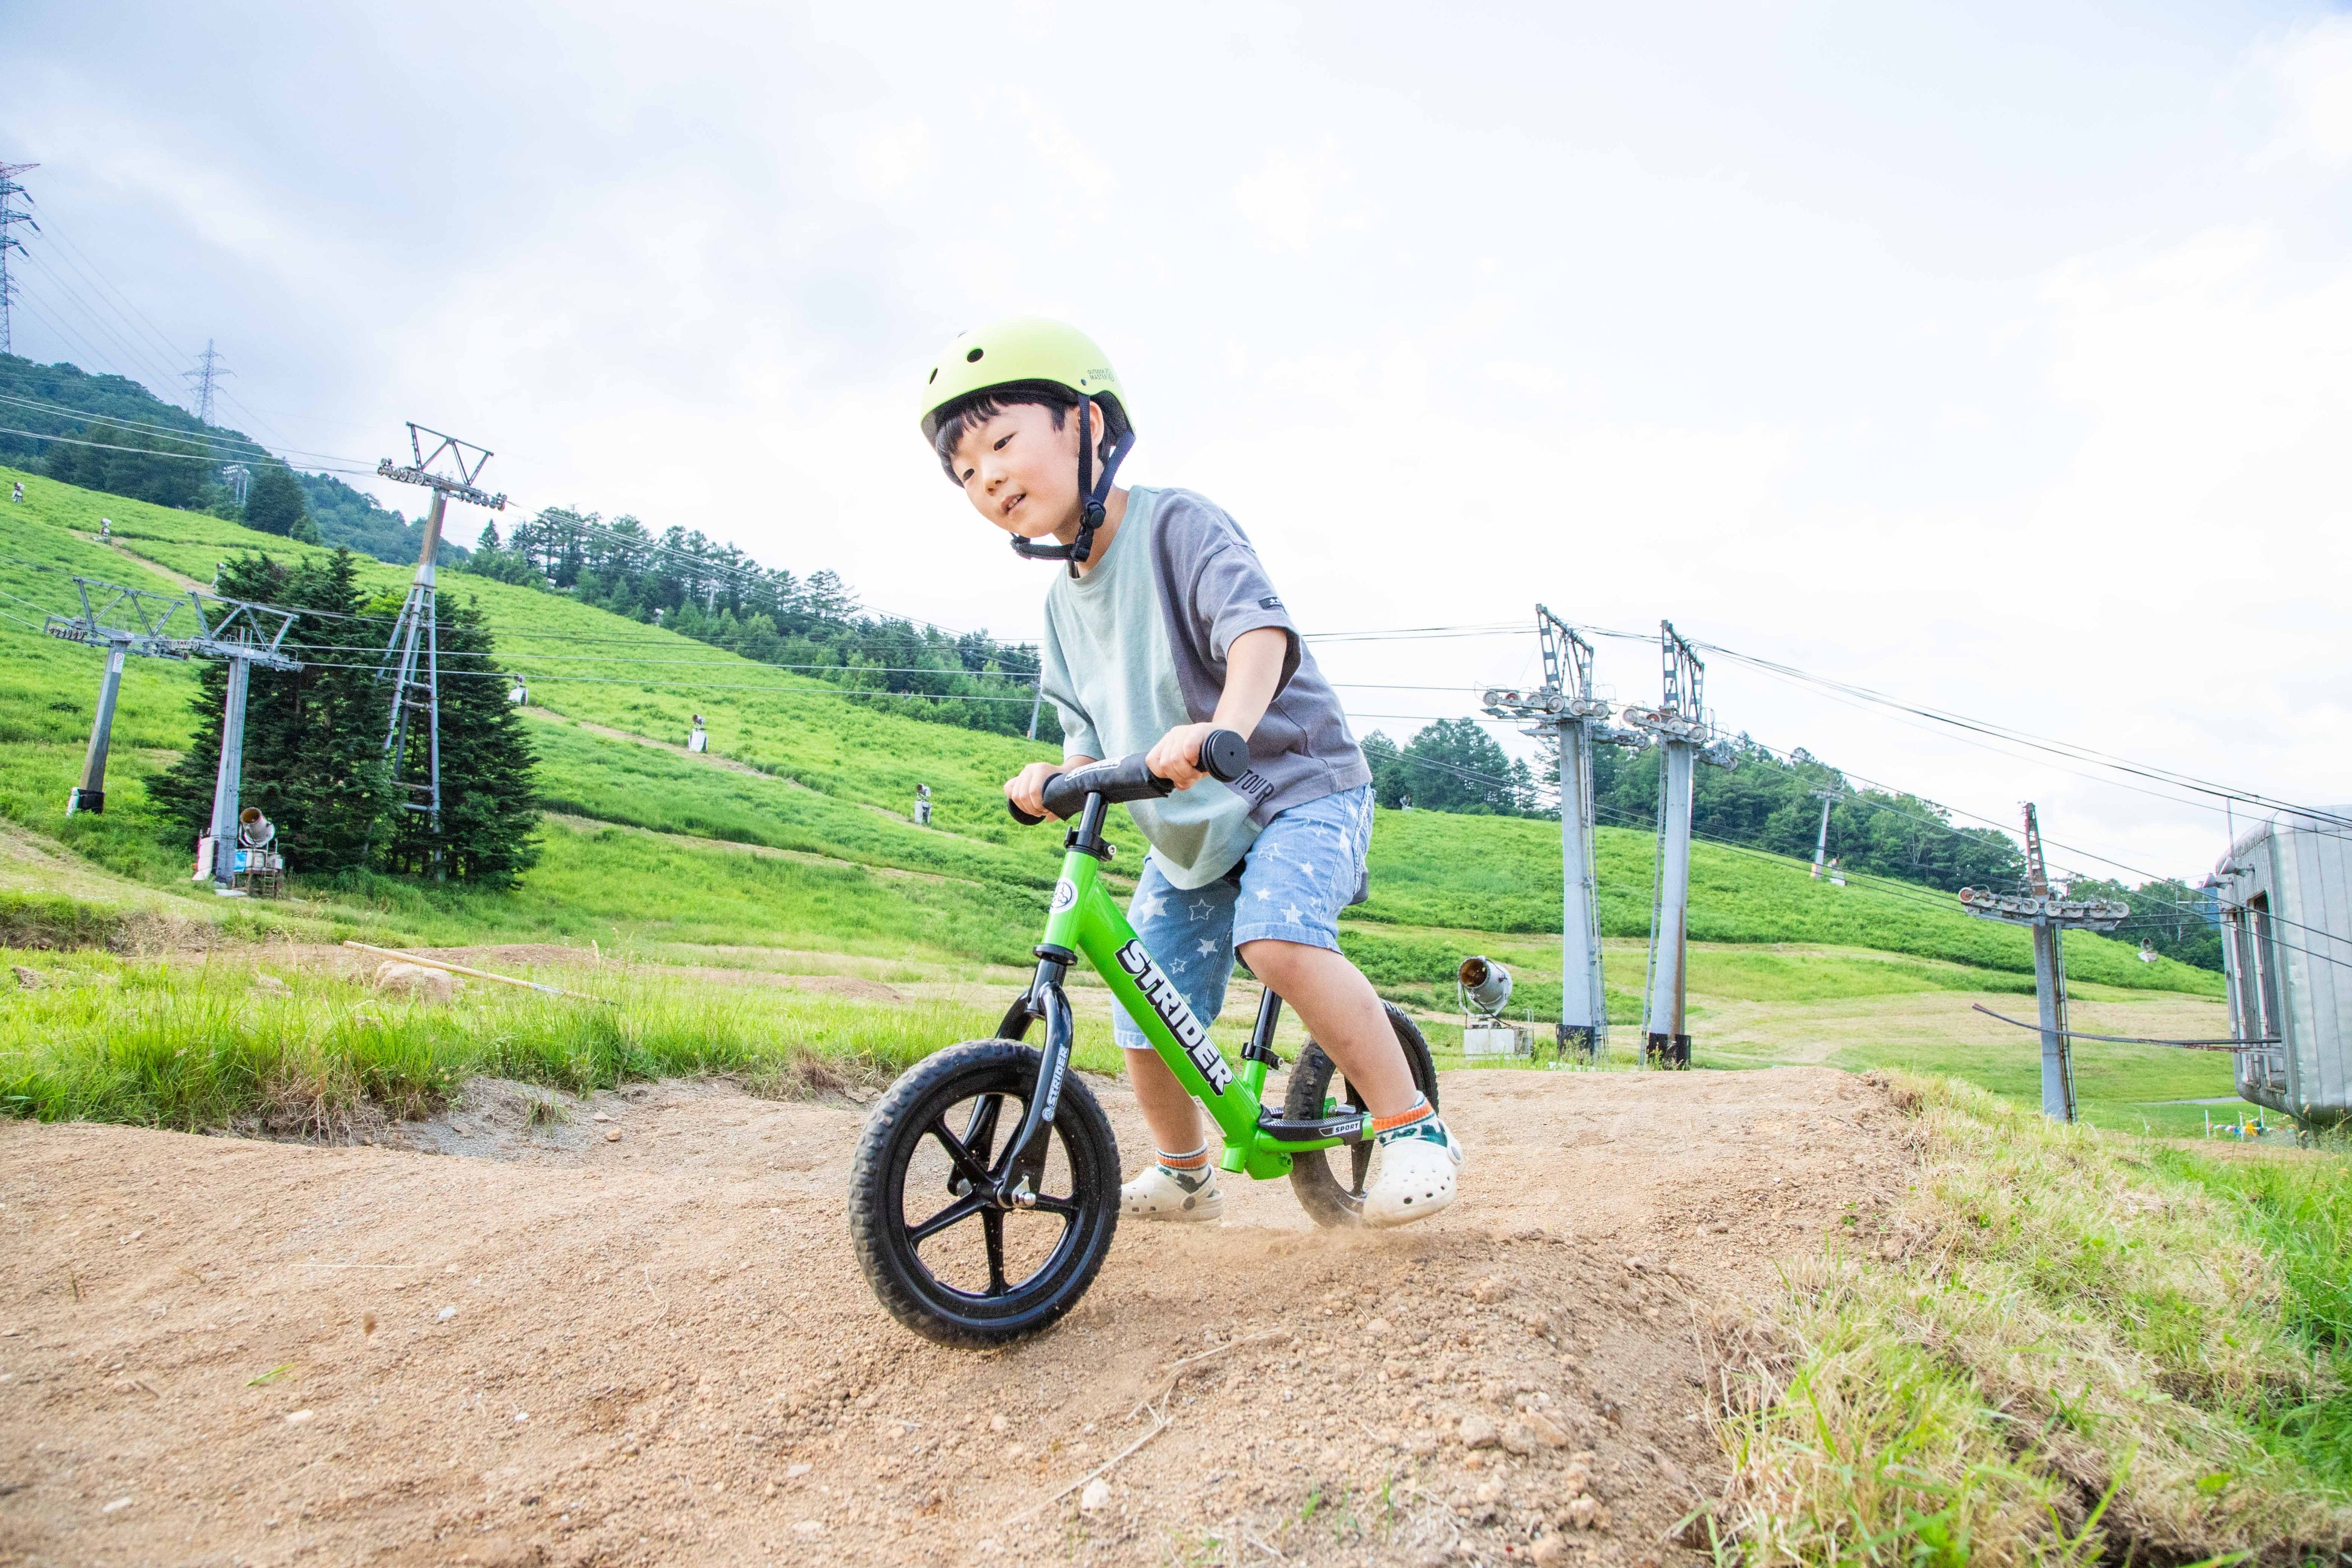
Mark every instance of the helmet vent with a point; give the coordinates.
(973, 357)
(933, 376)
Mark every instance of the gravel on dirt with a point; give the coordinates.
(658, 1348)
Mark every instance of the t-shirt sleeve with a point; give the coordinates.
(1078, 736)
(1233, 595)
(1210, 570)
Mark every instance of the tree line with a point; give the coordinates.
(703, 588)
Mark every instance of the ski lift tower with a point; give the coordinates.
(245, 634)
(1566, 709)
(1686, 736)
(2051, 916)
(122, 621)
(412, 660)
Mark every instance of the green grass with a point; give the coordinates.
(196, 1049)
(2068, 1352)
(1492, 874)
(826, 781)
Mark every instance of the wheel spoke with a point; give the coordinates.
(979, 1136)
(955, 1212)
(1066, 1208)
(992, 1225)
(971, 1169)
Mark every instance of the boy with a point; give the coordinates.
(1164, 628)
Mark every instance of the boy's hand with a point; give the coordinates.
(1175, 756)
(1026, 789)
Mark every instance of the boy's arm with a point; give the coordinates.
(1253, 668)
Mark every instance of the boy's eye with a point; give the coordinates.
(1001, 440)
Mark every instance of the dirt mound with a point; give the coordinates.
(644, 1340)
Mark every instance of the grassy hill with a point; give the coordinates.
(791, 835)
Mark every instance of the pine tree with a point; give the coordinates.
(489, 800)
(314, 737)
(276, 505)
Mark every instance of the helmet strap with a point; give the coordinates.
(1093, 495)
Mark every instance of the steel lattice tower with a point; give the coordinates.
(412, 660)
(208, 370)
(9, 217)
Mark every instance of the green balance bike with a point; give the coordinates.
(985, 1190)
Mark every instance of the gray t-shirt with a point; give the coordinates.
(1137, 646)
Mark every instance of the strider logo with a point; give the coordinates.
(1066, 893)
(1166, 1001)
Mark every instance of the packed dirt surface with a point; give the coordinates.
(645, 1340)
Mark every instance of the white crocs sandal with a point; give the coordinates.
(1416, 1178)
(1156, 1194)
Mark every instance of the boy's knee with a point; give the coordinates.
(1272, 959)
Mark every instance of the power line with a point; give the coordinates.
(2039, 743)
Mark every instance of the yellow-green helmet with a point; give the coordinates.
(1030, 351)
(1024, 349)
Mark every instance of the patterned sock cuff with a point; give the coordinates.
(1198, 1160)
(1422, 1111)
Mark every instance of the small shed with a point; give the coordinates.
(2285, 893)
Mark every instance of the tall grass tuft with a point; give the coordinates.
(2076, 1354)
(199, 1050)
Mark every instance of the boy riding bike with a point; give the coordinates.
(1164, 629)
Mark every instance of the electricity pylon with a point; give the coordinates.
(2051, 917)
(1566, 709)
(9, 217)
(208, 370)
(1685, 738)
(412, 660)
(122, 621)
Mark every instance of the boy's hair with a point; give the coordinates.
(957, 419)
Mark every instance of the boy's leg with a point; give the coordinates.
(1303, 870)
(1341, 1010)
(1189, 932)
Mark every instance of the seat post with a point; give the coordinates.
(1260, 1048)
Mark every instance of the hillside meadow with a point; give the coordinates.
(792, 836)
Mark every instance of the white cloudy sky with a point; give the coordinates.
(1997, 357)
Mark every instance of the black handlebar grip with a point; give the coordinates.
(1224, 755)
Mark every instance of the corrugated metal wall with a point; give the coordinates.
(2288, 949)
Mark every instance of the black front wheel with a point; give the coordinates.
(1330, 1183)
(949, 1263)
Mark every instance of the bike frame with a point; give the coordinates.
(1086, 924)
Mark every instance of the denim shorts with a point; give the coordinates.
(1304, 868)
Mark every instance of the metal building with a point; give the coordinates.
(2286, 890)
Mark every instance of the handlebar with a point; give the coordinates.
(1225, 756)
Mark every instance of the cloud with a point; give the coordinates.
(2311, 72)
(1294, 198)
(895, 157)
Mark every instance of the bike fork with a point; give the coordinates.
(1025, 1156)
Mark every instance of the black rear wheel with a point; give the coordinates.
(1330, 1183)
(948, 1263)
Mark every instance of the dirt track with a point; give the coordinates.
(658, 1348)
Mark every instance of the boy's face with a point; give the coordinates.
(1021, 473)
